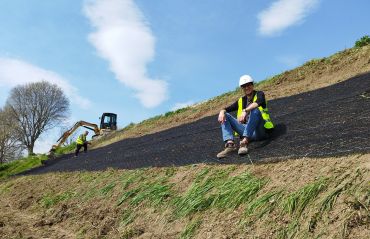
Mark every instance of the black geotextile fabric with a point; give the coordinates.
(330, 121)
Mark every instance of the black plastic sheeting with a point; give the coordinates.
(331, 121)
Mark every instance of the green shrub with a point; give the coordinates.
(365, 40)
(178, 111)
(129, 126)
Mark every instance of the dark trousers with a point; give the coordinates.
(79, 146)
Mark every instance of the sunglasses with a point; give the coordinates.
(246, 85)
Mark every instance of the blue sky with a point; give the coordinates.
(141, 58)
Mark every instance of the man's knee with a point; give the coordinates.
(228, 116)
(255, 113)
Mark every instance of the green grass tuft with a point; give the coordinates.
(289, 231)
(145, 188)
(217, 190)
(154, 193)
(126, 196)
(198, 197)
(194, 200)
(296, 202)
(6, 187)
(190, 228)
(131, 177)
(49, 199)
(127, 217)
(107, 189)
(329, 201)
(264, 204)
(237, 190)
(130, 233)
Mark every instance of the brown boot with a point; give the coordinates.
(243, 149)
(229, 148)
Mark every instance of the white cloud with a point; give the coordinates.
(122, 37)
(15, 72)
(282, 14)
(182, 105)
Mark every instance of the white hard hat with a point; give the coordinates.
(244, 79)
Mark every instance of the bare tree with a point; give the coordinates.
(10, 147)
(36, 107)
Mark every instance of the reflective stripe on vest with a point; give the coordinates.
(240, 110)
(265, 115)
(81, 139)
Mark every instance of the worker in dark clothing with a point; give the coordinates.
(81, 142)
(253, 121)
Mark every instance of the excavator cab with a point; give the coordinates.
(108, 121)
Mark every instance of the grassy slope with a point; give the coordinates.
(26, 163)
(21, 165)
(312, 198)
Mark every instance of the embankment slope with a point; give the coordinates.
(313, 196)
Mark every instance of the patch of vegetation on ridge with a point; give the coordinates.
(21, 165)
(65, 149)
(364, 41)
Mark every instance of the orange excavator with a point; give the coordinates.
(108, 123)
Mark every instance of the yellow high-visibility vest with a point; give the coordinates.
(81, 139)
(265, 115)
(264, 112)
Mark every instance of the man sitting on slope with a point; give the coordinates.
(257, 126)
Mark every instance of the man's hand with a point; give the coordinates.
(241, 118)
(222, 116)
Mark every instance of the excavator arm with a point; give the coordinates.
(66, 134)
